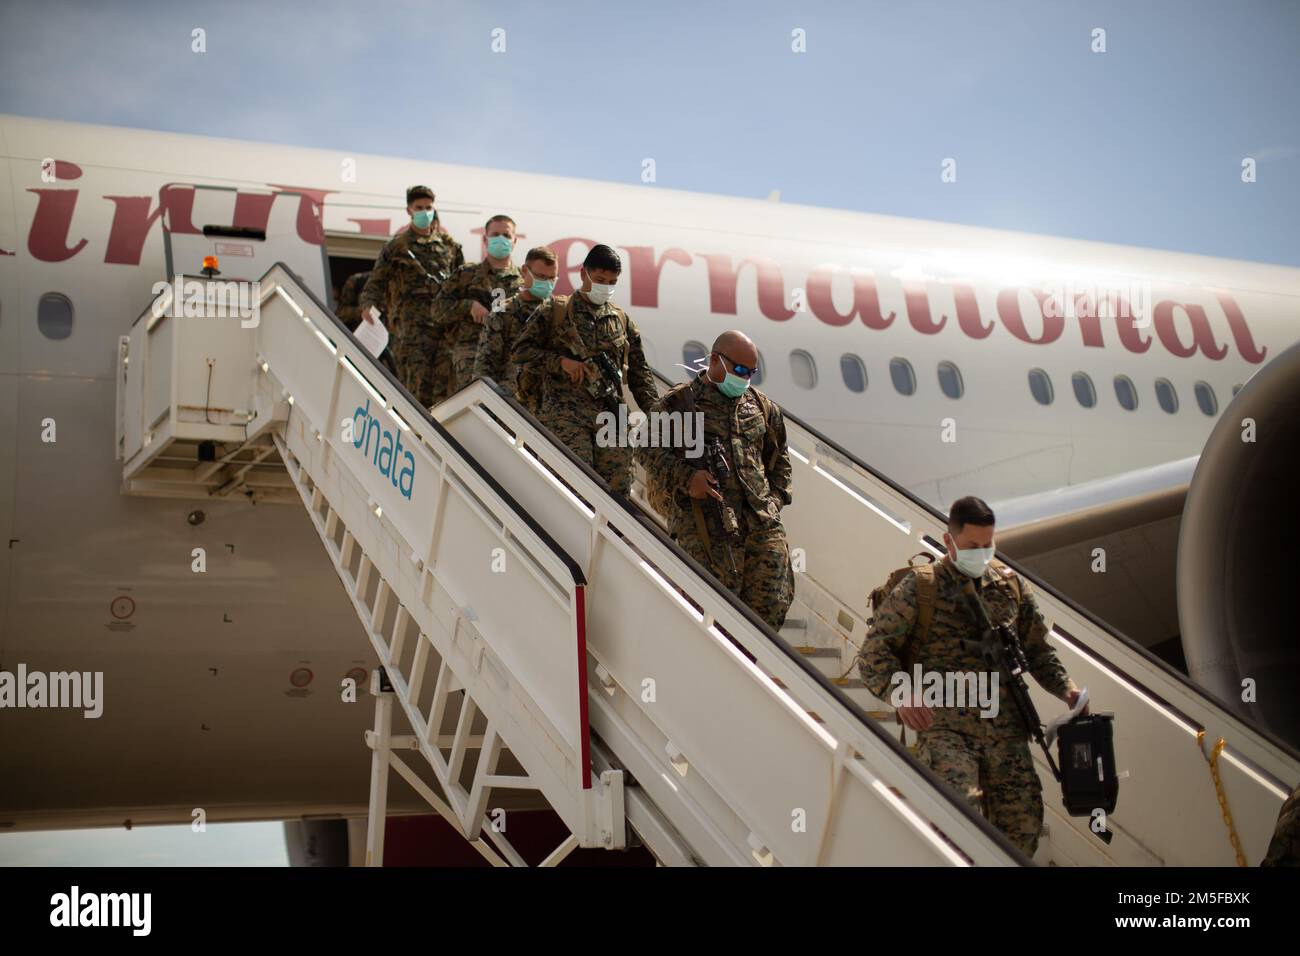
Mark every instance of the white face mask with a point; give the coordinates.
(973, 561)
(600, 294)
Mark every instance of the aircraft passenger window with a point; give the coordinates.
(1040, 386)
(1166, 395)
(1205, 398)
(1126, 393)
(904, 379)
(803, 368)
(854, 372)
(950, 380)
(1083, 390)
(758, 372)
(54, 316)
(694, 355)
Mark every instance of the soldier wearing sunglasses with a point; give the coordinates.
(757, 484)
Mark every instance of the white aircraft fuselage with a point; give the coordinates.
(221, 688)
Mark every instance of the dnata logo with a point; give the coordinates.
(388, 451)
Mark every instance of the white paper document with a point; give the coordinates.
(1066, 717)
(373, 336)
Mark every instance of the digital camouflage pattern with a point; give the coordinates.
(579, 332)
(403, 285)
(1284, 848)
(995, 775)
(975, 755)
(490, 288)
(498, 336)
(759, 486)
(349, 309)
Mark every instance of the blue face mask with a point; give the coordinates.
(542, 288)
(733, 386)
(423, 218)
(973, 561)
(499, 247)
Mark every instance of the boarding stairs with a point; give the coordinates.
(535, 632)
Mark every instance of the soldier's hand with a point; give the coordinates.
(478, 312)
(1072, 697)
(575, 370)
(371, 314)
(918, 718)
(703, 485)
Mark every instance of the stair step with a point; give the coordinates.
(808, 651)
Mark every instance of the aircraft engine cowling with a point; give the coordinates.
(1239, 552)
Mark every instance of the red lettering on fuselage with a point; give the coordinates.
(132, 221)
(866, 298)
(968, 312)
(134, 216)
(374, 227)
(645, 273)
(1240, 330)
(724, 279)
(568, 271)
(1009, 313)
(47, 240)
(1202, 335)
(311, 209)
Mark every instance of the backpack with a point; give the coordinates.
(926, 589)
(681, 398)
(528, 381)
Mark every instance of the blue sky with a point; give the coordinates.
(1141, 144)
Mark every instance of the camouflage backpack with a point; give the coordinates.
(926, 589)
(528, 381)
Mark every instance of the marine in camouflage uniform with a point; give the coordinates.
(758, 487)
(350, 312)
(491, 288)
(349, 309)
(403, 286)
(1284, 848)
(977, 756)
(570, 411)
(499, 333)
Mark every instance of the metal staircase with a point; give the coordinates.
(538, 634)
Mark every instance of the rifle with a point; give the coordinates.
(437, 278)
(1001, 648)
(607, 385)
(715, 460)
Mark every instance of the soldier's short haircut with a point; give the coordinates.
(603, 257)
(969, 510)
(418, 192)
(541, 254)
(499, 217)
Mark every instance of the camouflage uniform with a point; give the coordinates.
(499, 333)
(490, 288)
(758, 487)
(349, 309)
(403, 288)
(972, 754)
(1284, 848)
(570, 411)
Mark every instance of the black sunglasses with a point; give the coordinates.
(744, 371)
